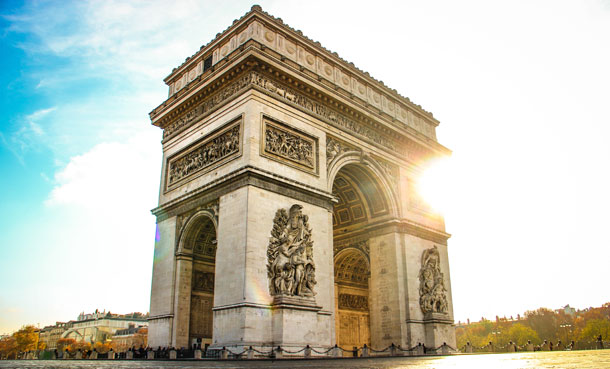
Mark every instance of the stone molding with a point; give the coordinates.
(396, 226)
(292, 45)
(288, 145)
(360, 243)
(244, 176)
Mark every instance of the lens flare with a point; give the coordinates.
(433, 184)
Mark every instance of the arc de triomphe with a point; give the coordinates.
(287, 211)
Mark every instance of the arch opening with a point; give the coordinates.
(202, 242)
(360, 201)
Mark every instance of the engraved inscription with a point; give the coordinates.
(204, 155)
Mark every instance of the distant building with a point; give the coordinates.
(567, 310)
(133, 336)
(100, 326)
(95, 327)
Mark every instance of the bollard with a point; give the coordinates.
(66, 355)
(111, 355)
(173, 354)
(79, 355)
(530, 346)
(150, 355)
(250, 354)
(336, 350)
(392, 349)
(490, 347)
(224, 353)
(365, 351)
(307, 351)
(93, 355)
(444, 349)
(512, 347)
(198, 354)
(468, 348)
(278, 352)
(420, 349)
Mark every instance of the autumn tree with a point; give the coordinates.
(65, 343)
(26, 338)
(544, 322)
(8, 348)
(594, 328)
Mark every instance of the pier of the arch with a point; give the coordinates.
(287, 214)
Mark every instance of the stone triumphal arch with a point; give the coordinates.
(287, 212)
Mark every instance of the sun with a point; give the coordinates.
(433, 183)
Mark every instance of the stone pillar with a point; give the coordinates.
(182, 304)
(173, 354)
(162, 291)
(529, 346)
(129, 355)
(111, 355)
(444, 349)
(250, 354)
(468, 348)
(93, 355)
(79, 355)
(66, 355)
(224, 354)
(420, 349)
(197, 354)
(150, 355)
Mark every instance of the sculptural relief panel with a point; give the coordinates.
(209, 152)
(432, 291)
(290, 263)
(289, 146)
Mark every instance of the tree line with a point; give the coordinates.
(26, 339)
(537, 326)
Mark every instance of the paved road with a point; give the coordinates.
(597, 359)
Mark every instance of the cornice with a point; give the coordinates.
(244, 176)
(207, 96)
(271, 32)
(388, 226)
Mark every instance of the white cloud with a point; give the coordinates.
(111, 175)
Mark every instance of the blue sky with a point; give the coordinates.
(521, 89)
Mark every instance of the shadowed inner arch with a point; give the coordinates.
(203, 243)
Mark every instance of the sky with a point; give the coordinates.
(522, 90)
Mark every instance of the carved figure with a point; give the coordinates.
(288, 145)
(290, 267)
(205, 155)
(432, 291)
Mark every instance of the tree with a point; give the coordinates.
(65, 343)
(26, 338)
(595, 328)
(544, 322)
(8, 348)
(520, 334)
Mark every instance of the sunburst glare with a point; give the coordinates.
(432, 184)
